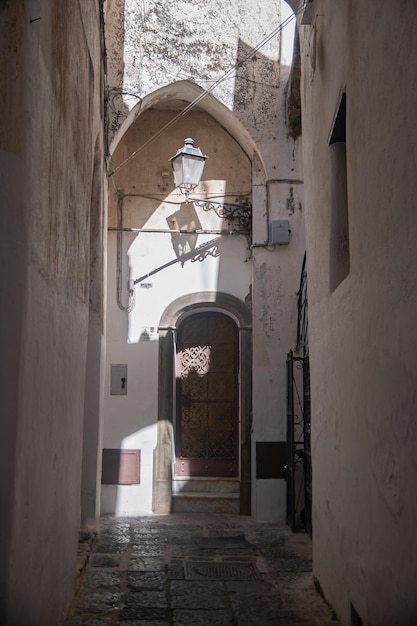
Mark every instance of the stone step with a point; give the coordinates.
(205, 485)
(205, 502)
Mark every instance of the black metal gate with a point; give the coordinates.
(299, 485)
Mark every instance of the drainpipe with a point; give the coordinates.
(119, 273)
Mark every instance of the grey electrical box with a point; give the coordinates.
(279, 232)
(118, 380)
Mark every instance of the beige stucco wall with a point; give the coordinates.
(362, 335)
(241, 125)
(51, 148)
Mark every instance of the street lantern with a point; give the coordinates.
(187, 167)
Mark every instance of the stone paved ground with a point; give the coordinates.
(197, 570)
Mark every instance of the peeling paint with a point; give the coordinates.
(290, 203)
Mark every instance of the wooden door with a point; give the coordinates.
(207, 386)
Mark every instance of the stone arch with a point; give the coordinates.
(188, 92)
(169, 322)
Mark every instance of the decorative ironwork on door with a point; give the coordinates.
(299, 473)
(207, 425)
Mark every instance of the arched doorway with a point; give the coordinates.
(196, 308)
(207, 409)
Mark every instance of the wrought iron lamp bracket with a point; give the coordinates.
(238, 216)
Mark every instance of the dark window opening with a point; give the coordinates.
(355, 620)
(338, 131)
(339, 221)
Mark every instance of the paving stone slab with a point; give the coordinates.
(183, 529)
(104, 580)
(141, 622)
(198, 595)
(118, 538)
(176, 571)
(274, 546)
(104, 560)
(250, 587)
(118, 528)
(184, 617)
(224, 525)
(259, 604)
(249, 557)
(146, 580)
(88, 621)
(181, 553)
(262, 616)
(191, 551)
(93, 602)
(288, 564)
(109, 547)
(149, 533)
(146, 598)
(148, 550)
(144, 564)
(146, 614)
(148, 539)
(223, 542)
(313, 604)
(284, 618)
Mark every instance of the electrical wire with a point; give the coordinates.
(200, 97)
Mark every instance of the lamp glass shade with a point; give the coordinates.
(188, 166)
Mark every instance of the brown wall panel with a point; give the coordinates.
(120, 467)
(270, 459)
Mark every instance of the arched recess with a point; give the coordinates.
(187, 92)
(162, 488)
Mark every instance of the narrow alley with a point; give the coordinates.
(200, 570)
(208, 279)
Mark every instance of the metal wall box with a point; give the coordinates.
(118, 380)
(279, 232)
(120, 467)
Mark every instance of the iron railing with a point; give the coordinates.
(299, 472)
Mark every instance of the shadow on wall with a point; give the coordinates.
(251, 104)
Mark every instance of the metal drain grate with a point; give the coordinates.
(221, 571)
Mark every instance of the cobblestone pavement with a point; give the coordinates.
(197, 570)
